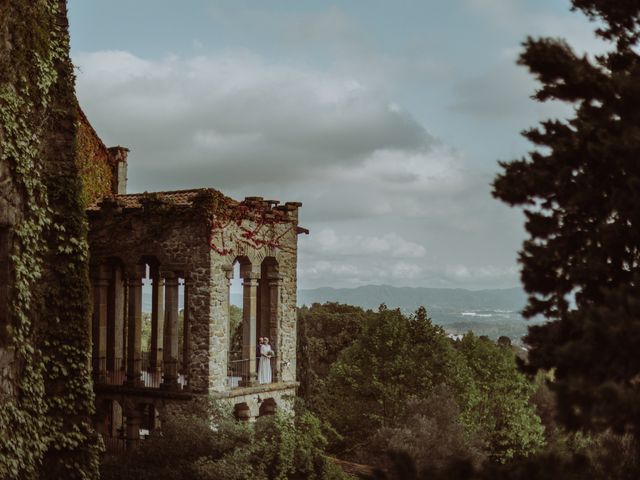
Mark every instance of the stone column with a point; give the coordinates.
(157, 321)
(134, 419)
(115, 320)
(275, 284)
(170, 337)
(186, 334)
(250, 277)
(101, 275)
(264, 298)
(228, 273)
(134, 324)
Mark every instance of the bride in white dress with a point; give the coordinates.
(264, 366)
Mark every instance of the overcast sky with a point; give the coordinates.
(385, 118)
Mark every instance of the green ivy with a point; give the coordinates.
(92, 159)
(45, 430)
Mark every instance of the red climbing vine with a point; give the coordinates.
(255, 222)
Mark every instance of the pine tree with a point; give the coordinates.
(580, 190)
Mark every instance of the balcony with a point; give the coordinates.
(149, 376)
(238, 374)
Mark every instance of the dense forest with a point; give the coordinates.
(394, 392)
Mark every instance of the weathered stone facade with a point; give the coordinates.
(46, 399)
(195, 237)
(10, 215)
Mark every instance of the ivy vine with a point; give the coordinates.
(45, 430)
(93, 162)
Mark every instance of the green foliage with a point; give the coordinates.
(145, 332)
(503, 411)
(431, 433)
(374, 390)
(194, 448)
(392, 359)
(324, 331)
(235, 326)
(45, 432)
(609, 457)
(92, 159)
(580, 194)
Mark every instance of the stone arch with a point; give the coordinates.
(268, 407)
(149, 416)
(243, 260)
(239, 265)
(102, 416)
(268, 292)
(249, 273)
(117, 419)
(242, 412)
(109, 422)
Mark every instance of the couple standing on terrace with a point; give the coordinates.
(264, 365)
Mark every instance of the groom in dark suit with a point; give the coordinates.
(260, 342)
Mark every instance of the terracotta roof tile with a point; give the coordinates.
(175, 197)
(185, 198)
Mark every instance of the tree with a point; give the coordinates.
(276, 447)
(235, 329)
(431, 433)
(503, 412)
(580, 190)
(324, 331)
(393, 359)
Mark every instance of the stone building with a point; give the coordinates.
(183, 245)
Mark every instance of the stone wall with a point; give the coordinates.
(178, 236)
(285, 256)
(288, 261)
(44, 413)
(283, 400)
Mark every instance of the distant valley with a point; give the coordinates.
(492, 312)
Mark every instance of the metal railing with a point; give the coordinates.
(148, 376)
(114, 445)
(238, 371)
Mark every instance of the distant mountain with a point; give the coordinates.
(492, 312)
(410, 298)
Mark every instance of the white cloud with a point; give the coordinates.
(513, 16)
(388, 245)
(503, 89)
(386, 202)
(482, 273)
(233, 109)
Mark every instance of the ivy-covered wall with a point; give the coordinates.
(94, 162)
(45, 427)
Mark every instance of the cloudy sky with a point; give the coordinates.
(385, 118)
